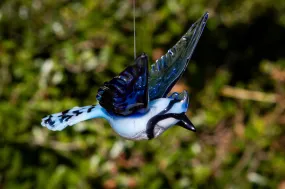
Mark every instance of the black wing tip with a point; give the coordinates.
(195, 31)
(200, 23)
(203, 19)
(205, 16)
(143, 55)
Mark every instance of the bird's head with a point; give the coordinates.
(180, 102)
(172, 114)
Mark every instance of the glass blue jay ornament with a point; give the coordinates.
(135, 102)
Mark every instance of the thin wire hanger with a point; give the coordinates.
(134, 20)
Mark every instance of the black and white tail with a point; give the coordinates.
(59, 121)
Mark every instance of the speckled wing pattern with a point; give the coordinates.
(168, 69)
(59, 121)
(127, 93)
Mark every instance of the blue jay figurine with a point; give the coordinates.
(135, 102)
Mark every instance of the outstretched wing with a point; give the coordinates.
(168, 69)
(128, 92)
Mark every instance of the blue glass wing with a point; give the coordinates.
(128, 92)
(168, 69)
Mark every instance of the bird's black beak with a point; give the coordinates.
(186, 123)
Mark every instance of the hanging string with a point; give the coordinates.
(134, 16)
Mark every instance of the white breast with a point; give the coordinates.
(134, 127)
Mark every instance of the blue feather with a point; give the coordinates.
(169, 68)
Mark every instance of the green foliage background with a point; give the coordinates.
(55, 54)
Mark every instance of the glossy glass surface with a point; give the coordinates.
(168, 69)
(128, 92)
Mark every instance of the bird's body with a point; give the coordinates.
(135, 102)
(132, 127)
(135, 126)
